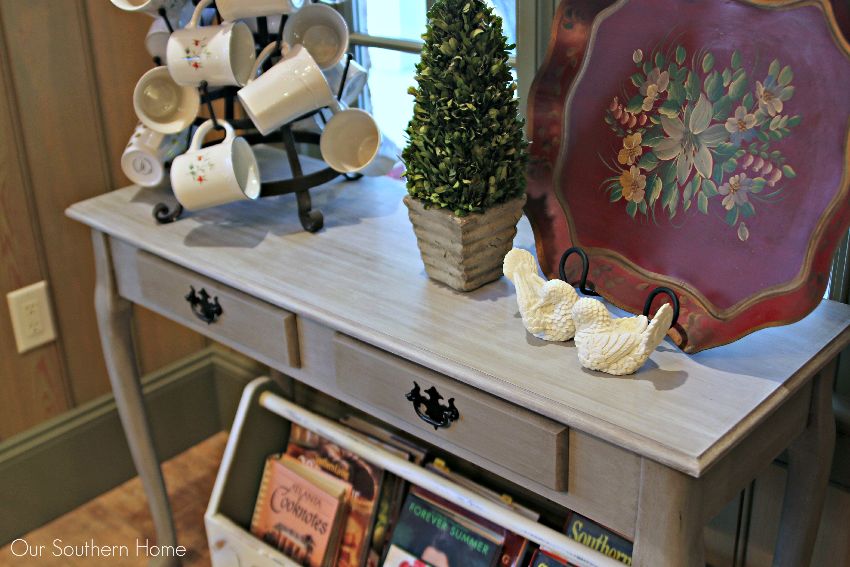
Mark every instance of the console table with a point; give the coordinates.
(350, 312)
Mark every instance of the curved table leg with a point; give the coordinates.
(669, 530)
(114, 318)
(809, 464)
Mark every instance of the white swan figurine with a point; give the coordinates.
(545, 306)
(616, 346)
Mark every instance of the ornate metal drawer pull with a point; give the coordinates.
(435, 413)
(203, 307)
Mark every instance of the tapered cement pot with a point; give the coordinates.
(464, 252)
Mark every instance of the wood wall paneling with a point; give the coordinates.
(118, 47)
(58, 113)
(68, 69)
(33, 383)
(120, 58)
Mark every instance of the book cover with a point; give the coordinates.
(514, 547)
(394, 489)
(397, 557)
(389, 504)
(589, 533)
(365, 479)
(334, 486)
(298, 515)
(545, 559)
(437, 537)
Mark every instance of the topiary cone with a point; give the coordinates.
(466, 154)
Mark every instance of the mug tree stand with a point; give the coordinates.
(300, 183)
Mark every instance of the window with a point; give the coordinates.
(387, 39)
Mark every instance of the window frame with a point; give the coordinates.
(534, 20)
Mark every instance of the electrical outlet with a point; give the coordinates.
(32, 321)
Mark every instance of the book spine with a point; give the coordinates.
(261, 493)
(597, 537)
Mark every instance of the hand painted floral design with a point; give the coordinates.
(735, 191)
(631, 149)
(199, 168)
(196, 52)
(771, 95)
(689, 142)
(656, 83)
(634, 185)
(692, 132)
(740, 126)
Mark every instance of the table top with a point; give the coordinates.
(363, 276)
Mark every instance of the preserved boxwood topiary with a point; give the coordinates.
(466, 150)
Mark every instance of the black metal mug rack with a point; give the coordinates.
(300, 183)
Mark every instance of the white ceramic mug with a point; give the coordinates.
(147, 152)
(151, 7)
(291, 88)
(217, 174)
(220, 55)
(163, 105)
(156, 40)
(238, 9)
(322, 30)
(388, 156)
(355, 80)
(352, 143)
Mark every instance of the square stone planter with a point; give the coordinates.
(464, 252)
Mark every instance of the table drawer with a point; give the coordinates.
(521, 441)
(263, 331)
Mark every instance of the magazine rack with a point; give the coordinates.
(300, 183)
(261, 428)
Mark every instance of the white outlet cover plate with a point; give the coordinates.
(32, 321)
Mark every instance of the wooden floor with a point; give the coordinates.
(120, 516)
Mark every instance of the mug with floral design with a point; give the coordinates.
(147, 152)
(218, 174)
(221, 55)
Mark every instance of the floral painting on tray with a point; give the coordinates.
(697, 145)
(696, 132)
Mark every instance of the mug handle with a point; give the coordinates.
(264, 55)
(196, 15)
(205, 128)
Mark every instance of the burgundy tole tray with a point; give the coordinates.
(697, 145)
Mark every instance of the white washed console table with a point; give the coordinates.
(350, 312)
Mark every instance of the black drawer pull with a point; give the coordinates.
(435, 413)
(205, 308)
